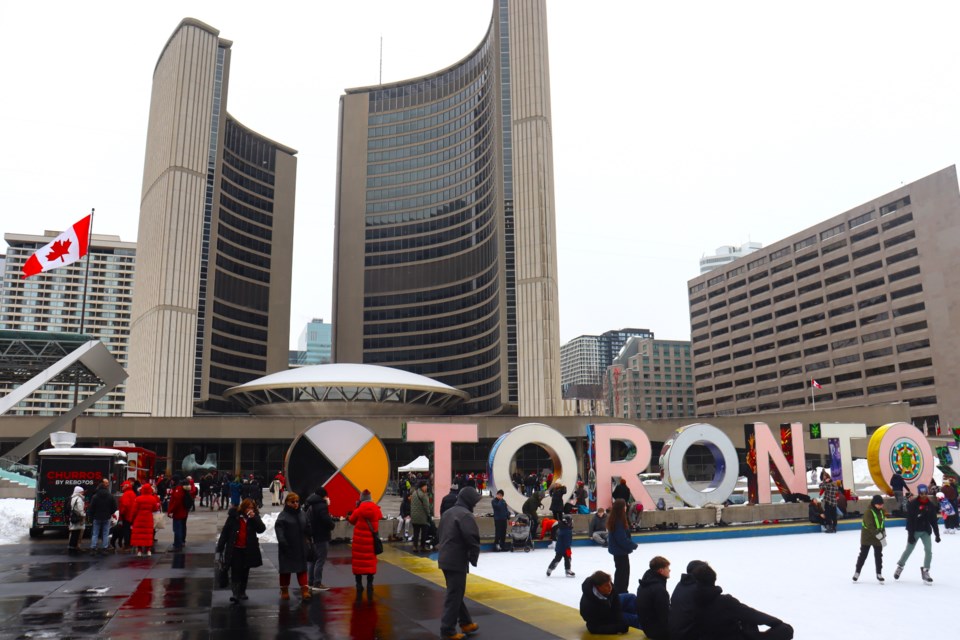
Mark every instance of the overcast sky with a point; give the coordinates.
(678, 126)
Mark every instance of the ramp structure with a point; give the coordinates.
(32, 359)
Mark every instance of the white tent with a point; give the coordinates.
(420, 464)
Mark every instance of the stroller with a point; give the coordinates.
(520, 533)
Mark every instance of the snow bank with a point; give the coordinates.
(16, 517)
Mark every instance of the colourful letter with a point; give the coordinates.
(762, 447)
(442, 435)
(724, 459)
(505, 449)
(843, 433)
(903, 448)
(607, 470)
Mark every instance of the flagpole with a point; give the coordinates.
(83, 312)
(813, 398)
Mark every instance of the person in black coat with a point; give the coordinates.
(239, 545)
(102, 505)
(450, 499)
(727, 618)
(922, 514)
(557, 492)
(684, 618)
(600, 606)
(653, 601)
(292, 532)
(622, 492)
(321, 528)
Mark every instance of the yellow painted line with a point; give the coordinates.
(552, 617)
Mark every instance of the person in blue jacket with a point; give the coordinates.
(501, 513)
(620, 545)
(564, 541)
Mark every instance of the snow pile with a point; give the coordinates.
(270, 535)
(16, 518)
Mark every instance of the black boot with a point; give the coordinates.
(359, 588)
(236, 591)
(370, 588)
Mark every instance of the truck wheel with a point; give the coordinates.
(36, 532)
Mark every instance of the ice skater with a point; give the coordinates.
(922, 513)
(564, 541)
(873, 534)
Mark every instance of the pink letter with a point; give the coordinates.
(607, 470)
(442, 435)
(769, 448)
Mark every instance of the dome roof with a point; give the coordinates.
(376, 389)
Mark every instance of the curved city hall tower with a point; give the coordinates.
(211, 292)
(445, 258)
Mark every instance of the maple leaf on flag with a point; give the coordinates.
(59, 249)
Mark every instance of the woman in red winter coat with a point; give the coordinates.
(127, 510)
(144, 507)
(365, 520)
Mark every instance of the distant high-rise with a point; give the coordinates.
(445, 259)
(727, 254)
(211, 299)
(314, 344)
(52, 301)
(651, 379)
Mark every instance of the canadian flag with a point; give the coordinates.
(66, 248)
(816, 385)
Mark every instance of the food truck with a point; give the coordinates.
(62, 468)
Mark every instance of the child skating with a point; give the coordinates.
(562, 547)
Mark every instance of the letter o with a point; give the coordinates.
(724, 456)
(905, 443)
(506, 447)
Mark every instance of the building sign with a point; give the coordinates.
(346, 457)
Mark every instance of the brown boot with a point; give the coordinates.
(305, 592)
(284, 593)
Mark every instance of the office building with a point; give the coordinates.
(651, 379)
(211, 299)
(53, 301)
(864, 303)
(584, 360)
(445, 259)
(727, 254)
(314, 345)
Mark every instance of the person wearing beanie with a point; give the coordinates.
(363, 558)
(321, 528)
(459, 548)
(78, 512)
(872, 534)
(922, 514)
(726, 618)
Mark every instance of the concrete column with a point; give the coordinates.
(170, 460)
(236, 456)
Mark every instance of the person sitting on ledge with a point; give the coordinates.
(600, 606)
(727, 618)
(815, 514)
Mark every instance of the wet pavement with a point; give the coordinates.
(46, 593)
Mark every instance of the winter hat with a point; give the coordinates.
(365, 496)
(693, 566)
(922, 489)
(940, 495)
(877, 499)
(705, 575)
(77, 489)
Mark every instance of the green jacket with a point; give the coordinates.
(421, 511)
(874, 522)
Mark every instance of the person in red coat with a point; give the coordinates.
(143, 509)
(365, 520)
(127, 510)
(178, 511)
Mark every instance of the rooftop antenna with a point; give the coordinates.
(381, 58)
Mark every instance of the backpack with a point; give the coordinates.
(187, 499)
